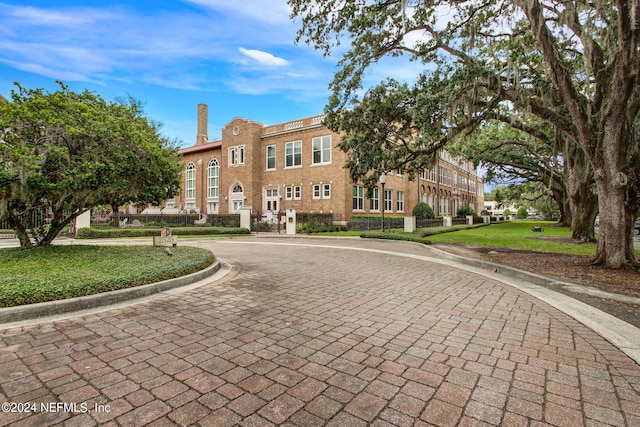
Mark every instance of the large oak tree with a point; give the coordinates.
(572, 64)
(62, 153)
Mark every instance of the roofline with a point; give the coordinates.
(201, 147)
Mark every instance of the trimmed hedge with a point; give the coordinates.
(58, 272)
(424, 232)
(99, 233)
(420, 234)
(407, 237)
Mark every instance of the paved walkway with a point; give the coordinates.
(312, 332)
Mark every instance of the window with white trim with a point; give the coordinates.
(233, 156)
(358, 198)
(400, 201)
(190, 181)
(321, 150)
(374, 204)
(321, 191)
(213, 181)
(236, 155)
(388, 201)
(293, 192)
(293, 154)
(326, 191)
(241, 155)
(271, 157)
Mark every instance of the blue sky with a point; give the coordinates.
(238, 57)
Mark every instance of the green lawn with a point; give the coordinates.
(58, 272)
(517, 235)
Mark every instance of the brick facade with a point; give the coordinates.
(297, 165)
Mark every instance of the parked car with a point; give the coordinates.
(636, 228)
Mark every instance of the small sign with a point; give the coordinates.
(165, 238)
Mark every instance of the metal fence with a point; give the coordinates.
(372, 223)
(426, 223)
(38, 219)
(165, 220)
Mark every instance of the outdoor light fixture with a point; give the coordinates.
(383, 181)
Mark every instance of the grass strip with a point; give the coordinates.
(519, 235)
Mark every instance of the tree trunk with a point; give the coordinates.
(615, 246)
(564, 206)
(585, 209)
(116, 215)
(618, 187)
(23, 235)
(582, 198)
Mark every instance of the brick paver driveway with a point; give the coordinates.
(305, 334)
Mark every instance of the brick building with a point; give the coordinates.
(297, 165)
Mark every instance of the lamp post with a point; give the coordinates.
(383, 181)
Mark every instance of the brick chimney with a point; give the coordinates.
(203, 125)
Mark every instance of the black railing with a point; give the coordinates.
(165, 220)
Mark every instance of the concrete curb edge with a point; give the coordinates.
(51, 308)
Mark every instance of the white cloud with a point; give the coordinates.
(259, 10)
(183, 48)
(264, 58)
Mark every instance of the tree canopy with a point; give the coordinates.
(572, 65)
(62, 153)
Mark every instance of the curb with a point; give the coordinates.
(532, 277)
(52, 308)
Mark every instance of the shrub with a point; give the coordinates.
(522, 212)
(315, 227)
(507, 212)
(464, 211)
(261, 226)
(423, 211)
(97, 233)
(395, 236)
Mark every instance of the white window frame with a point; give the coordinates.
(388, 201)
(241, 154)
(236, 155)
(358, 198)
(272, 157)
(326, 191)
(293, 146)
(288, 192)
(213, 178)
(374, 201)
(400, 201)
(321, 146)
(190, 181)
(317, 191)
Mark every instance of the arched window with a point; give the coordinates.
(237, 189)
(214, 179)
(190, 181)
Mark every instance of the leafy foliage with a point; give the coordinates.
(522, 212)
(573, 67)
(423, 210)
(407, 237)
(97, 233)
(63, 152)
(58, 272)
(464, 211)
